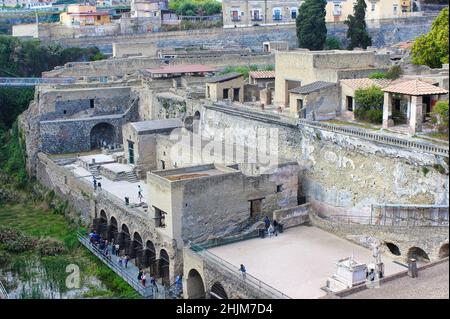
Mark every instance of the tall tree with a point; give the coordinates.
(311, 27)
(431, 49)
(357, 29)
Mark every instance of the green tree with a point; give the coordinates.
(311, 27)
(431, 49)
(369, 104)
(439, 116)
(332, 43)
(357, 29)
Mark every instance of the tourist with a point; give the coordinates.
(117, 248)
(153, 283)
(120, 261)
(125, 261)
(140, 273)
(271, 230)
(275, 227)
(140, 193)
(178, 281)
(107, 255)
(266, 222)
(143, 279)
(95, 182)
(243, 271)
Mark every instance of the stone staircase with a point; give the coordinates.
(94, 170)
(132, 178)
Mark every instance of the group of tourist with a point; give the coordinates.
(271, 227)
(142, 277)
(104, 246)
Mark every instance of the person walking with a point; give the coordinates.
(117, 248)
(140, 193)
(125, 261)
(243, 271)
(139, 277)
(275, 227)
(271, 230)
(266, 222)
(143, 279)
(153, 283)
(95, 182)
(120, 261)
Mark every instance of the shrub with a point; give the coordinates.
(332, 43)
(370, 98)
(50, 247)
(375, 116)
(5, 258)
(15, 241)
(439, 116)
(394, 72)
(378, 75)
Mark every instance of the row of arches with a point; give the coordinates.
(142, 254)
(416, 252)
(196, 288)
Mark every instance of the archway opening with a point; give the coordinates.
(218, 292)
(102, 135)
(103, 224)
(195, 286)
(112, 229)
(136, 249)
(150, 257)
(196, 122)
(393, 249)
(418, 254)
(164, 263)
(443, 251)
(125, 240)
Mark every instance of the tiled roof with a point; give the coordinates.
(309, 88)
(365, 83)
(223, 77)
(415, 87)
(262, 74)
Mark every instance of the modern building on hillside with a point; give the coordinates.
(83, 15)
(241, 13)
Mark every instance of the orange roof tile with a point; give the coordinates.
(262, 74)
(365, 83)
(415, 87)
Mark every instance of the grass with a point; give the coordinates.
(361, 125)
(38, 221)
(438, 135)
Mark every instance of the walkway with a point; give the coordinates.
(12, 81)
(128, 274)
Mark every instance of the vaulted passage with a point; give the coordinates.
(102, 134)
(112, 229)
(418, 254)
(164, 264)
(136, 249)
(443, 251)
(218, 292)
(125, 239)
(149, 257)
(393, 248)
(195, 286)
(103, 224)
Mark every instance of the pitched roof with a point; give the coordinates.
(365, 83)
(309, 88)
(153, 126)
(415, 87)
(262, 74)
(223, 77)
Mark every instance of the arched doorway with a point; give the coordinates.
(112, 229)
(125, 241)
(218, 292)
(149, 257)
(164, 263)
(196, 122)
(443, 251)
(418, 254)
(393, 248)
(102, 134)
(195, 286)
(103, 224)
(136, 249)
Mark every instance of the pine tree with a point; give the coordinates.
(311, 27)
(357, 29)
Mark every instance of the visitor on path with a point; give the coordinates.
(243, 271)
(95, 182)
(139, 277)
(266, 222)
(107, 255)
(125, 261)
(117, 247)
(143, 279)
(178, 281)
(275, 226)
(120, 261)
(153, 283)
(140, 193)
(271, 230)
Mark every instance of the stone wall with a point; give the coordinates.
(294, 216)
(430, 239)
(343, 174)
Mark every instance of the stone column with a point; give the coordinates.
(387, 111)
(415, 121)
(120, 240)
(156, 268)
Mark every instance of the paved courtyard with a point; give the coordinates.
(298, 261)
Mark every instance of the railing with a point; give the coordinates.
(146, 292)
(13, 81)
(228, 240)
(248, 279)
(3, 292)
(380, 138)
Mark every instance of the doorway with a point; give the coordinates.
(350, 103)
(130, 152)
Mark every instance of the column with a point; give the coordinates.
(415, 121)
(387, 111)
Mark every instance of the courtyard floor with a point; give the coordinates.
(299, 261)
